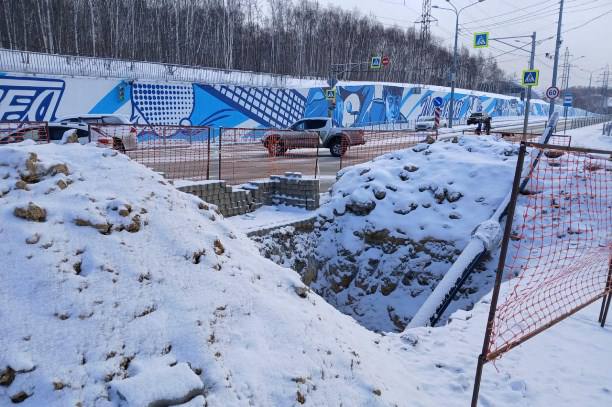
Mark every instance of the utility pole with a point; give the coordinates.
(453, 76)
(527, 103)
(565, 70)
(425, 21)
(565, 83)
(604, 90)
(551, 108)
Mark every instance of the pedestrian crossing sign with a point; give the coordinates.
(530, 77)
(481, 40)
(330, 94)
(376, 62)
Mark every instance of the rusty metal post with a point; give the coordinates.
(482, 359)
(208, 157)
(317, 161)
(220, 137)
(605, 304)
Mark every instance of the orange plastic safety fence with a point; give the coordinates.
(560, 248)
(15, 132)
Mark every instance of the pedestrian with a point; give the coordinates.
(479, 127)
(487, 125)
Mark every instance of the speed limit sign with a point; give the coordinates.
(553, 92)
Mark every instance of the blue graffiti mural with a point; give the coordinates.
(33, 98)
(29, 98)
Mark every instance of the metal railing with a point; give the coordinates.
(54, 64)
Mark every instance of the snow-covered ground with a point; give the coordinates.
(117, 289)
(269, 217)
(590, 136)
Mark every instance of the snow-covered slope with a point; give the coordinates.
(115, 285)
(119, 290)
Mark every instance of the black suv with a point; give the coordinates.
(477, 117)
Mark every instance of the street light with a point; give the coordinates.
(454, 70)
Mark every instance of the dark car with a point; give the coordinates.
(477, 117)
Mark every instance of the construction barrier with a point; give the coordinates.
(178, 152)
(252, 154)
(556, 254)
(235, 155)
(14, 132)
(368, 144)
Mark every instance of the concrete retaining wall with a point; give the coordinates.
(289, 189)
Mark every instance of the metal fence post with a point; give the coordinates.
(605, 305)
(208, 157)
(220, 138)
(482, 359)
(47, 132)
(317, 161)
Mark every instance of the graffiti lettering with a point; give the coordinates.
(29, 99)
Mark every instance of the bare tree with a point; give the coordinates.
(295, 37)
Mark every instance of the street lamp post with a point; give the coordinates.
(457, 12)
(568, 67)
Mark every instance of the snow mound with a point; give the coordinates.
(183, 310)
(393, 226)
(117, 289)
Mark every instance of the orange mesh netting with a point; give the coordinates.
(560, 249)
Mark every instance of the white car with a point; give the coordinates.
(427, 123)
(106, 130)
(88, 128)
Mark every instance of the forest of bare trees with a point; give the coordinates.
(299, 38)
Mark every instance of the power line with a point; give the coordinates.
(536, 15)
(507, 13)
(589, 21)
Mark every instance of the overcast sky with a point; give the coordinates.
(503, 18)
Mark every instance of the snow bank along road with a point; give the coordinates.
(118, 290)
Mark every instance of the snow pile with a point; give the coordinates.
(117, 289)
(394, 226)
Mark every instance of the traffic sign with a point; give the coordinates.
(553, 92)
(481, 40)
(385, 61)
(438, 101)
(568, 100)
(376, 62)
(330, 94)
(530, 77)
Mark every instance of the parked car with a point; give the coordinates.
(477, 117)
(38, 132)
(312, 133)
(82, 125)
(104, 137)
(428, 122)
